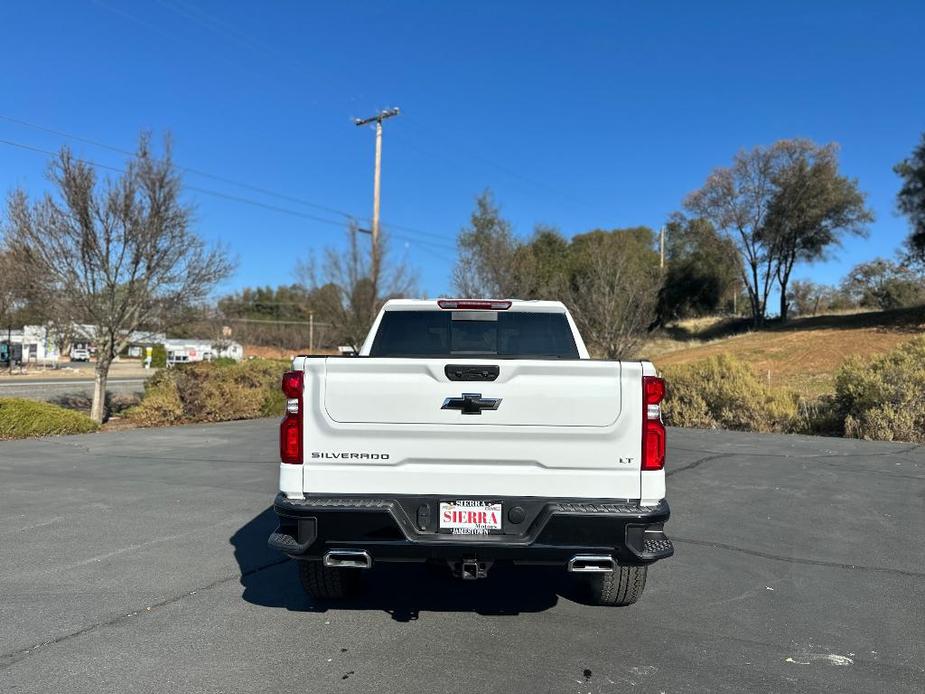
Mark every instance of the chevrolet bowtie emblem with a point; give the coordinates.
(471, 403)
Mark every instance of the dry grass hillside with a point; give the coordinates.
(802, 354)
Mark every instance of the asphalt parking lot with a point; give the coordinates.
(135, 561)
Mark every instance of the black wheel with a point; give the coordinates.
(328, 582)
(623, 586)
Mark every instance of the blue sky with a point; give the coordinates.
(576, 115)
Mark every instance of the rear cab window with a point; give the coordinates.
(499, 334)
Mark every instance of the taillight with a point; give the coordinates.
(653, 431)
(474, 303)
(290, 429)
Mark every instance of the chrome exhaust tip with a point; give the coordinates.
(348, 559)
(591, 563)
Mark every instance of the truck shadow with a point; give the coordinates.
(402, 590)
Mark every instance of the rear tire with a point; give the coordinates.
(623, 586)
(328, 582)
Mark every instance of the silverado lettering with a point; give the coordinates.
(351, 456)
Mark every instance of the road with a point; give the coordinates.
(135, 561)
(38, 388)
(73, 380)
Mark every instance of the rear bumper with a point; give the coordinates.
(534, 530)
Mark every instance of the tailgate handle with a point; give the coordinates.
(469, 372)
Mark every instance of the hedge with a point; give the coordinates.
(211, 392)
(20, 419)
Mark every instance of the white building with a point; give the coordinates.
(182, 350)
(84, 333)
(39, 344)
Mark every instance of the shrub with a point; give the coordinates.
(161, 404)
(158, 356)
(884, 399)
(21, 419)
(211, 392)
(723, 393)
(818, 417)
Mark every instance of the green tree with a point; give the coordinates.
(701, 269)
(609, 279)
(884, 284)
(808, 298)
(285, 302)
(811, 208)
(911, 198)
(540, 267)
(486, 248)
(779, 204)
(276, 316)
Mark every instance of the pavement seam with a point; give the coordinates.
(90, 451)
(798, 560)
(808, 456)
(7, 660)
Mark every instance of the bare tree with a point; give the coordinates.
(120, 255)
(614, 289)
(342, 286)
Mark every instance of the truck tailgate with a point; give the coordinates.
(546, 428)
(532, 393)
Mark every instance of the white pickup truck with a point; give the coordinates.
(469, 432)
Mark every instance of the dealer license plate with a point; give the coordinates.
(465, 517)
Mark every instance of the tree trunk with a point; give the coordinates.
(783, 279)
(754, 298)
(98, 408)
(757, 313)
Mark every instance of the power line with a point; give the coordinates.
(509, 172)
(220, 179)
(229, 196)
(220, 27)
(186, 169)
(281, 322)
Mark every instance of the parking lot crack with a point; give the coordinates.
(7, 660)
(798, 560)
(696, 463)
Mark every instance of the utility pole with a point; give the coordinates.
(311, 332)
(376, 255)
